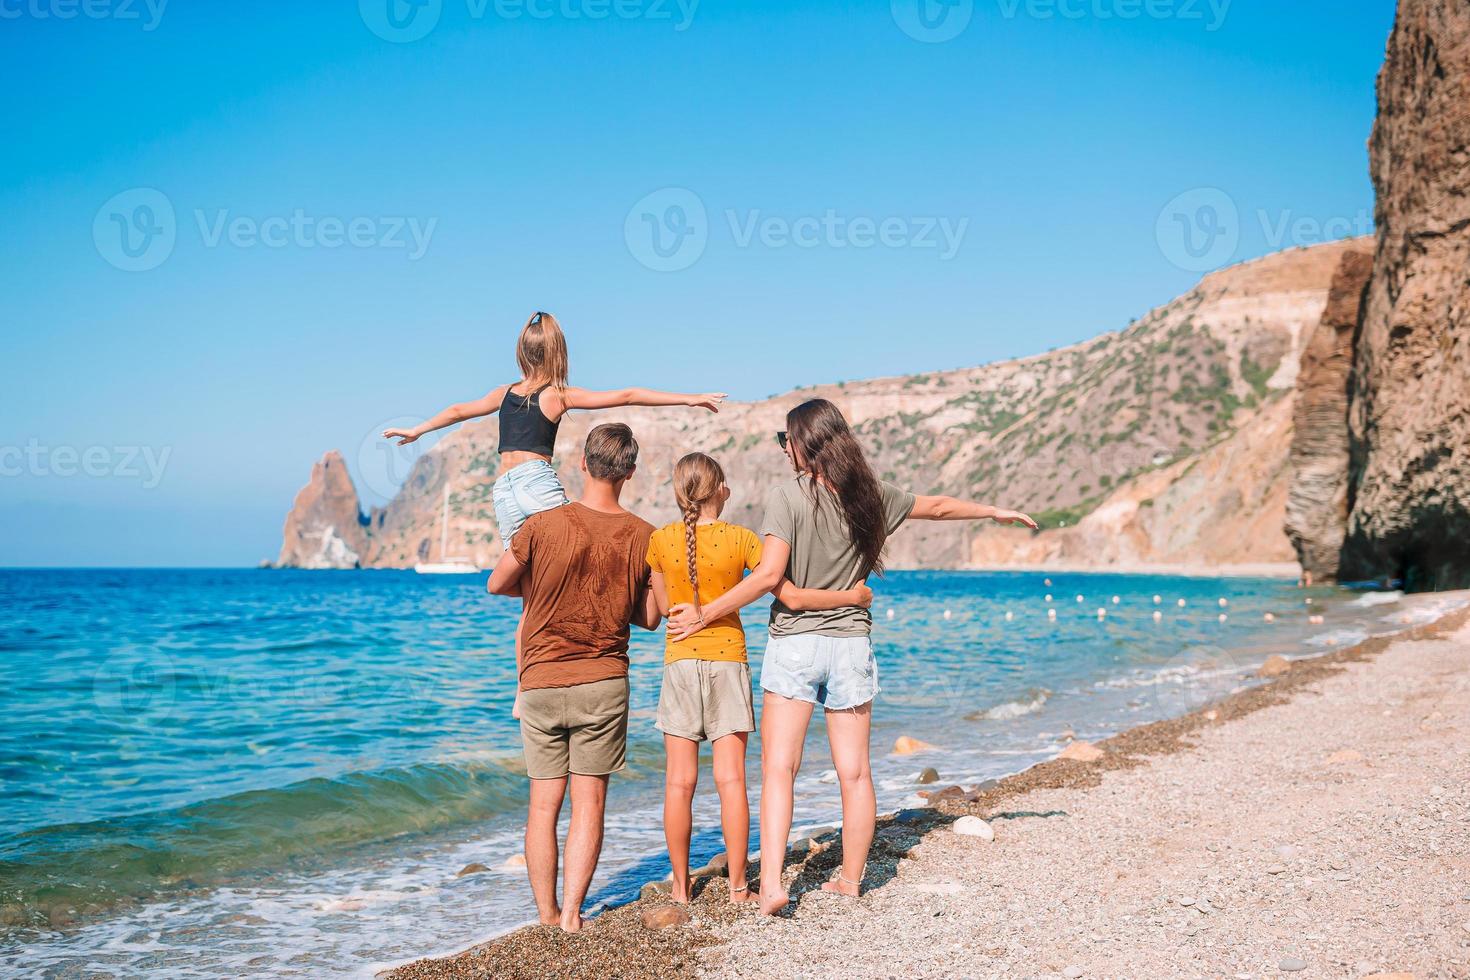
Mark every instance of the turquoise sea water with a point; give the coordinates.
(204, 773)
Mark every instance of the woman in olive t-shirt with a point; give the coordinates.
(824, 529)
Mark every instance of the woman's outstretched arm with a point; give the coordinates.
(953, 509)
(458, 412)
(684, 621)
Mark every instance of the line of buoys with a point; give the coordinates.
(1048, 597)
(1116, 600)
(1270, 617)
(1181, 603)
(1010, 615)
(1080, 598)
(890, 614)
(1224, 602)
(1101, 613)
(1223, 617)
(1051, 614)
(1158, 615)
(947, 614)
(1158, 599)
(1046, 582)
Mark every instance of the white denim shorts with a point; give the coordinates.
(836, 672)
(522, 491)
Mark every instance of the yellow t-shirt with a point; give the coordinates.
(725, 551)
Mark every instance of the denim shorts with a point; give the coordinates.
(522, 491)
(836, 672)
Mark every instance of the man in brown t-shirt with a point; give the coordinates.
(583, 572)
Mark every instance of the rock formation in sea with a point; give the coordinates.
(1409, 415)
(325, 528)
(1164, 443)
(1316, 505)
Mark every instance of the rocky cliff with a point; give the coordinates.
(1163, 443)
(1409, 416)
(1317, 505)
(325, 528)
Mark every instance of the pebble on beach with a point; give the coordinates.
(473, 868)
(664, 916)
(907, 745)
(1275, 666)
(515, 861)
(1081, 752)
(1293, 965)
(973, 827)
(927, 775)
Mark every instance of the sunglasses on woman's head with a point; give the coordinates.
(781, 438)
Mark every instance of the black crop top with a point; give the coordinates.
(524, 427)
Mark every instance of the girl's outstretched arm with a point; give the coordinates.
(582, 398)
(458, 412)
(684, 621)
(951, 509)
(792, 597)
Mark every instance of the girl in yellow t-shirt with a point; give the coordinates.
(706, 684)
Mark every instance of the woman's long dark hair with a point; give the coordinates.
(827, 450)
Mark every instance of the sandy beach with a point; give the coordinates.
(1317, 825)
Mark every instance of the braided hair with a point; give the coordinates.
(697, 480)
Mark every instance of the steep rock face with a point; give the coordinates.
(1316, 507)
(325, 529)
(1066, 435)
(1409, 418)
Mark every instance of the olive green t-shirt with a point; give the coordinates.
(822, 553)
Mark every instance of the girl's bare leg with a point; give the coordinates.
(729, 752)
(681, 773)
(848, 731)
(783, 729)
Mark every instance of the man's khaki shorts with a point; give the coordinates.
(705, 699)
(581, 729)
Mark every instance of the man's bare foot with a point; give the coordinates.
(679, 892)
(741, 894)
(571, 921)
(515, 709)
(773, 902)
(551, 918)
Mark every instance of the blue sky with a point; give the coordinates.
(332, 222)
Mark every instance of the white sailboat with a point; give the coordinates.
(446, 565)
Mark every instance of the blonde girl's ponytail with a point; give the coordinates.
(541, 352)
(697, 479)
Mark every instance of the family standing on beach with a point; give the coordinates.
(588, 570)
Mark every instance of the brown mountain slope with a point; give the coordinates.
(1166, 440)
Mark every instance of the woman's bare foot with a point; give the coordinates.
(841, 886)
(741, 895)
(571, 921)
(771, 903)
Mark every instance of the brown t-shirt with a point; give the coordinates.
(584, 571)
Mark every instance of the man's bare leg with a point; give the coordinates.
(584, 845)
(541, 857)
